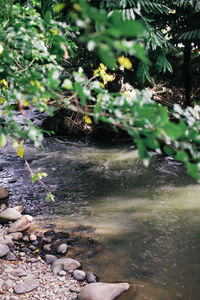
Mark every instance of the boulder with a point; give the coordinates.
(23, 223)
(66, 264)
(101, 290)
(30, 283)
(9, 214)
(4, 249)
(4, 194)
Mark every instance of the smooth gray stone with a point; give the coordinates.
(16, 236)
(102, 291)
(9, 214)
(7, 240)
(66, 264)
(1, 283)
(3, 193)
(2, 207)
(30, 283)
(62, 248)
(18, 272)
(4, 249)
(8, 283)
(79, 275)
(19, 208)
(23, 223)
(10, 256)
(49, 258)
(90, 277)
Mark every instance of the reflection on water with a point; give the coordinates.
(147, 218)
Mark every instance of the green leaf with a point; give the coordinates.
(38, 176)
(168, 150)
(107, 56)
(3, 139)
(182, 156)
(174, 131)
(49, 196)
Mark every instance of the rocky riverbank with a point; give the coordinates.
(35, 264)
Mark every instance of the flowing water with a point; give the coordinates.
(146, 220)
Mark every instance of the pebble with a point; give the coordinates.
(3, 193)
(32, 237)
(62, 248)
(62, 273)
(10, 256)
(1, 283)
(79, 275)
(4, 249)
(8, 283)
(26, 238)
(90, 277)
(49, 258)
(47, 247)
(16, 236)
(47, 239)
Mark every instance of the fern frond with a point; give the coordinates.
(143, 73)
(193, 35)
(155, 8)
(162, 64)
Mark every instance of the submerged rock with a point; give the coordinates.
(4, 249)
(23, 223)
(9, 214)
(66, 264)
(4, 194)
(90, 277)
(101, 290)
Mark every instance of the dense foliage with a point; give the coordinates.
(40, 67)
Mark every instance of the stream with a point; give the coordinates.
(143, 224)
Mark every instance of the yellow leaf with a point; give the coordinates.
(87, 119)
(4, 83)
(20, 150)
(76, 7)
(125, 62)
(15, 143)
(25, 103)
(54, 31)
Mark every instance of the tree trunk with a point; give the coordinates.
(187, 76)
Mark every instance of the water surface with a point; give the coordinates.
(146, 219)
